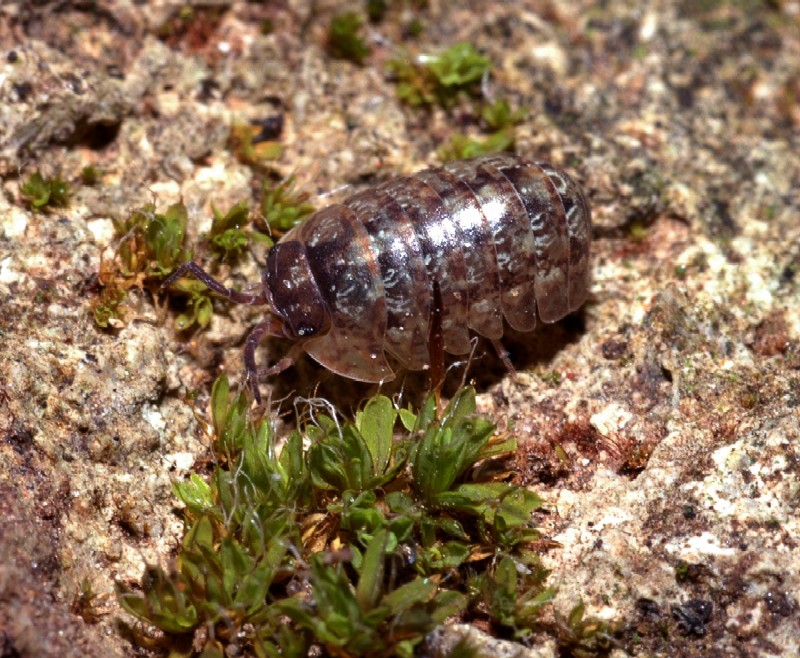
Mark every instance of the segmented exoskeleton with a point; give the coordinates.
(409, 267)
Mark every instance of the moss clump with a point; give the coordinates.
(453, 78)
(151, 245)
(282, 206)
(42, 193)
(441, 79)
(344, 37)
(247, 143)
(359, 544)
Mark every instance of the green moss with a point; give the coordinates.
(90, 175)
(582, 636)
(227, 235)
(152, 242)
(108, 310)
(499, 120)
(42, 193)
(248, 150)
(344, 37)
(447, 79)
(552, 379)
(376, 10)
(414, 28)
(499, 115)
(682, 571)
(199, 307)
(460, 67)
(283, 206)
(638, 230)
(380, 518)
(461, 147)
(150, 246)
(440, 79)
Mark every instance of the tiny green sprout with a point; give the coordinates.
(231, 242)
(90, 175)
(88, 603)
(414, 28)
(200, 307)
(152, 242)
(414, 83)
(439, 79)
(552, 379)
(42, 193)
(376, 10)
(500, 120)
(282, 206)
(108, 310)
(150, 245)
(582, 636)
(462, 147)
(227, 235)
(460, 67)
(682, 569)
(164, 236)
(638, 230)
(499, 116)
(344, 38)
(243, 144)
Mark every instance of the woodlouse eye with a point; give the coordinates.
(305, 332)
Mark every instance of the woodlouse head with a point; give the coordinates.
(293, 292)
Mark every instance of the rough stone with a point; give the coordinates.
(660, 423)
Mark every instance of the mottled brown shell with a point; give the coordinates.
(502, 236)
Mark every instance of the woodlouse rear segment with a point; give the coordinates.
(502, 237)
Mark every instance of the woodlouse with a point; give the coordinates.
(411, 266)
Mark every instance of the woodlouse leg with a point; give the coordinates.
(212, 284)
(436, 343)
(270, 327)
(501, 352)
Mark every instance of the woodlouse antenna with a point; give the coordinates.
(211, 283)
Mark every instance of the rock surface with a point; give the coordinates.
(662, 424)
